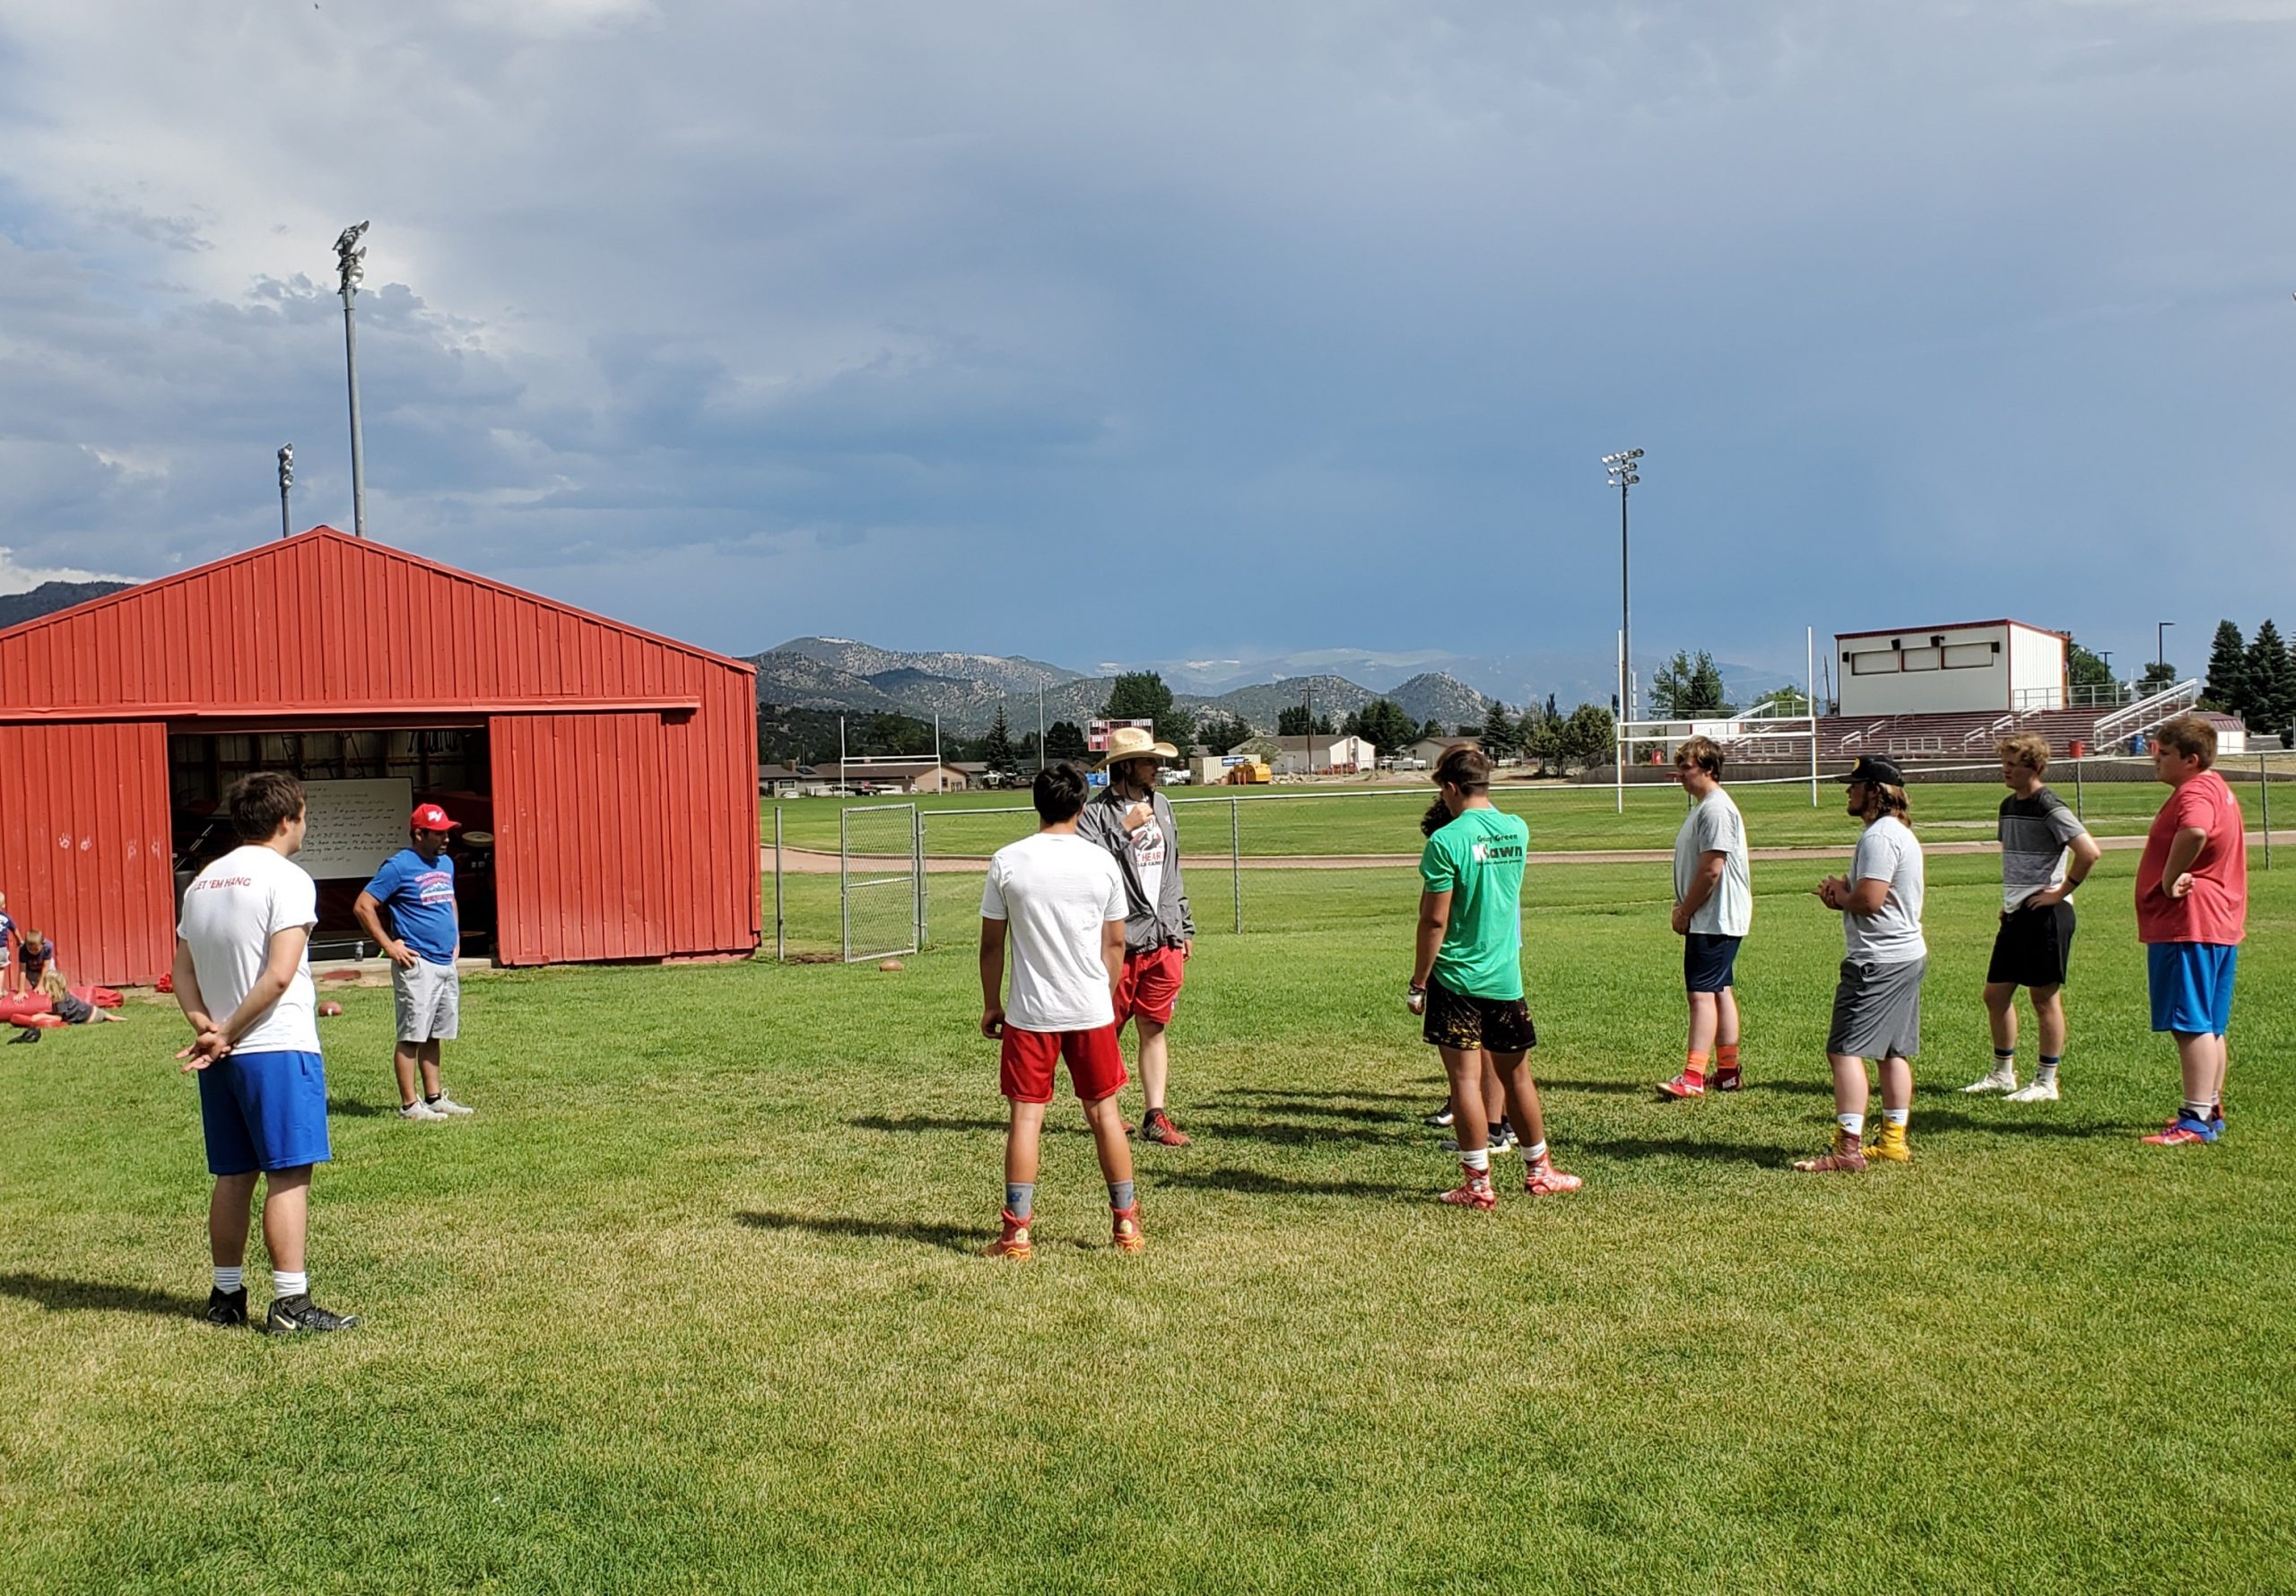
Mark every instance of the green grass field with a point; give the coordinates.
(1297, 821)
(691, 1304)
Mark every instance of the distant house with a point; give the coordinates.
(1433, 749)
(1313, 756)
(901, 776)
(785, 781)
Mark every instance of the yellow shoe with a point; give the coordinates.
(1890, 1146)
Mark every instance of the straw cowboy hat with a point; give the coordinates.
(1130, 742)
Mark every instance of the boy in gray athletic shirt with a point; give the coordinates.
(1877, 1007)
(1714, 908)
(2035, 943)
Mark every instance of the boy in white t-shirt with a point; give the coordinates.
(242, 952)
(1058, 902)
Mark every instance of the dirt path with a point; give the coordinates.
(808, 862)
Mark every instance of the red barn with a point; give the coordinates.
(605, 778)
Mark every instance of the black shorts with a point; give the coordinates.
(1710, 962)
(2033, 947)
(1497, 1025)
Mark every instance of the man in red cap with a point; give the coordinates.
(417, 885)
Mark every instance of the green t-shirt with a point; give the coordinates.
(1478, 860)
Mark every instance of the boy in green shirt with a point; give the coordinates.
(1467, 978)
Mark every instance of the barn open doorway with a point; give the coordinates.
(361, 785)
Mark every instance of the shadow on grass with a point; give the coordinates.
(1925, 1118)
(1295, 1093)
(954, 1238)
(64, 1296)
(351, 1108)
(918, 1123)
(1276, 1134)
(1717, 1152)
(1272, 1105)
(1271, 1186)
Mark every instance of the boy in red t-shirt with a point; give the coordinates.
(2192, 911)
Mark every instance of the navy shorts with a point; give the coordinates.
(2192, 987)
(263, 1111)
(1710, 962)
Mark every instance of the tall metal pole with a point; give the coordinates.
(1626, 470)
(349, 258)
(780, 916)
(2161, 651)
(1810, 679)
(286, 481)
(1618, 729)
(1041, 756)
(1236, 857)
(840, 757)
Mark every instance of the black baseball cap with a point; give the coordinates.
(1871, 771)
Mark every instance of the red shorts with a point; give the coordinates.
(1095, 1063)
(1150, 985)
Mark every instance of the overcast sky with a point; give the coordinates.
(1110, 332)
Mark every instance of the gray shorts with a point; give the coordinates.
(428, 998)
(1877, 1010)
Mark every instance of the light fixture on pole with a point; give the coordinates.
(2161, 650)
(286, 481)
(1626, 470)
(350, 260)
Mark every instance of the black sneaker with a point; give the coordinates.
(29, 1034)
(291, 1314)
(1441, 1119)
(227, 1308)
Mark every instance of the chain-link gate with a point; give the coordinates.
(879, 869)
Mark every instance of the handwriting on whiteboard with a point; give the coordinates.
(353, 826)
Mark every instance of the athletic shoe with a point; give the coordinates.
(1544, 1180)
(1474, 1191)
(2183, 1131)
(1014, 1242)
(299, 1312)
(2035, 1091)
(1890, 1144)
(1724, 1081)
(29, 1034)
(1846, 1158)
(419, 1109)
(1683, 1086)
(1501, 1143)
(2001, 1078)
(227, 1308)
(2217, 1119)
(1158, 1127)
(1440, 1120)
(1127, 1227)
(446, 1105)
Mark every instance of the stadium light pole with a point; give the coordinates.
(286, 481)
(349, 260)
(2161, 649)
(1626, 470)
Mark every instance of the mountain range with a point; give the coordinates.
(16, 608)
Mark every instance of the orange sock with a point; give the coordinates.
(1726, 1058)
(1695, 1067)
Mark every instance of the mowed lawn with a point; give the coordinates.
(1384, 819)
(691, 1304)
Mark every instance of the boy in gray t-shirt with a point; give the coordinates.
(2034, 946)
(1714, 906)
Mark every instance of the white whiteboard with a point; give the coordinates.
(353, 826)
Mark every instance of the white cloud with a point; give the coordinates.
(18, 577)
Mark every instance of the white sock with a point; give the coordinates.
(1478, 1160)
(1852, 1124)
(1534, 1154)
(232, 1278)
(285, 1283)
(1897, 1117)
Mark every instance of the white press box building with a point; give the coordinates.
(1972, 665)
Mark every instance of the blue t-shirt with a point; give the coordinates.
(7, 938)
(420, 898)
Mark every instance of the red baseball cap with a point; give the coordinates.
(430, 817)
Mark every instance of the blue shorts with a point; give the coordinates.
(1710, 962)
(2192, 987)
(263, 1111)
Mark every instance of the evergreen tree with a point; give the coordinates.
(1430, 727)
(996, 749)
(2272, 682)
(1222, 733)
(1142, 695)
(1385, 726)
(1292, 722)
(2228, 671)
(1498, 735)
(1064, 740)
(1589, 736)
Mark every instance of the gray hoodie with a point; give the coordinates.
(1166, 923)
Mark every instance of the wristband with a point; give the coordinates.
(1415, 987)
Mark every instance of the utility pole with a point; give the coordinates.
(2161, 650)
(1625, 472)
(350, 260)
(1041, 759)
(286, 481)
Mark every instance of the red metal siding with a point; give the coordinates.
(83, 854)
(625, 772)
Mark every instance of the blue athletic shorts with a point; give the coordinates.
(263, 1111)
(1710, 962)
(2192, 987)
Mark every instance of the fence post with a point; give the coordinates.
(780, 935)
(1236, 856)
(916, 858)
(2079, 794)
(2264, 797)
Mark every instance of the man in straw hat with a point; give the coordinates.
(1132, 821)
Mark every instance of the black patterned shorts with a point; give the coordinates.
(1499, 1025)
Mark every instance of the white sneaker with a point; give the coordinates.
(419, 1109)
(2040, 1091)
(446, 1105)
(1999, 1080)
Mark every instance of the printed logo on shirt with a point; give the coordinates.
(1148, 844)
(1503, 850)
(434, 886)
